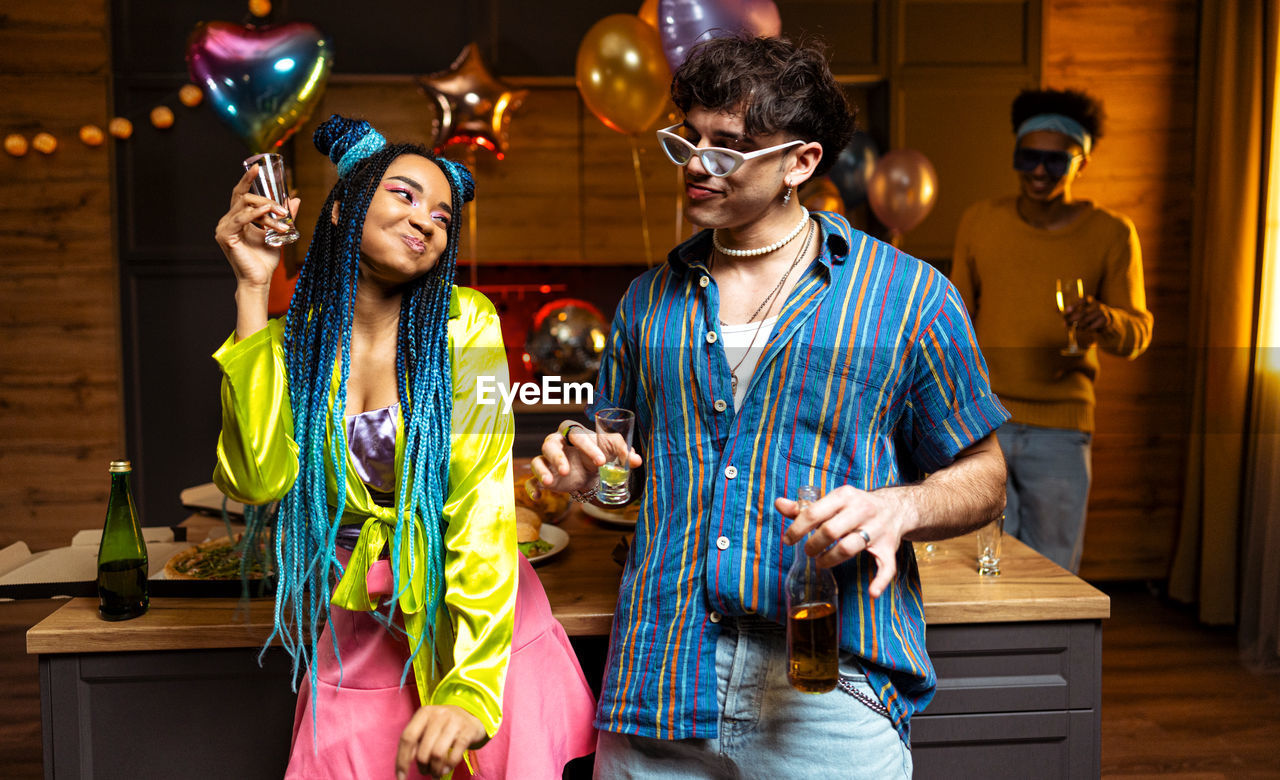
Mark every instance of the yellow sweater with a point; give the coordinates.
(1006, 269)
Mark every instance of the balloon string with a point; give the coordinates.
(644, 210)
(471, 220)
(679, 205)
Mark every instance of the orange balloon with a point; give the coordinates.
(902, 189)
(648, 13)
(622, 74)
(821, 195)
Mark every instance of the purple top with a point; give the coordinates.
(371, 438)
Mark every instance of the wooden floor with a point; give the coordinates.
(1175, 700)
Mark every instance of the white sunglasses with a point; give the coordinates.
(716, 159)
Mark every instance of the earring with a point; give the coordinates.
(786, 197)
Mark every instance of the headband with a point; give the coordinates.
(1058, 123)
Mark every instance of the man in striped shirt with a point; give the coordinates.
(777, 349)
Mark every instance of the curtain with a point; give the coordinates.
(1260, 558)
(1229, 189)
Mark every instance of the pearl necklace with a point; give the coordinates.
(764, 250)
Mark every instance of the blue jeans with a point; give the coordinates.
(1048, 489)
(767, 728)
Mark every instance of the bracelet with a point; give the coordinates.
(585, 496)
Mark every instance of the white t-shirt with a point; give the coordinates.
(736, 340)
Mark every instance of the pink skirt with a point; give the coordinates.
(547, 706)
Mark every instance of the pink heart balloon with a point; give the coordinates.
(263, 82)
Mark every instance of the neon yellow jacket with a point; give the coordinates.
(258, 462)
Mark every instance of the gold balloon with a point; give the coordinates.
(474, 108)
(622, 74)
(821, 195)
(648, 13)
(902, 189)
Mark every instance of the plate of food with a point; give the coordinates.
(551, 505)
(626, 515)
(217, 559)
(538, 541)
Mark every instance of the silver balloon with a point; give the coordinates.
(567, 340)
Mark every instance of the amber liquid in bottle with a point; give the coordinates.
(813, 619)
(813, 658)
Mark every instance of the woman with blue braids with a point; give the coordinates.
(395, 536)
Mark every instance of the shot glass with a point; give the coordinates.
(989, 539)
(269, 183)
(614, 428)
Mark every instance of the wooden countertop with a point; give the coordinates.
(582, 586)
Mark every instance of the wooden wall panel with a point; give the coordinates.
(59, 331)
(38, 37)
(1138, 56)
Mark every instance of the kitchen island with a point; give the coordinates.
(179, 692)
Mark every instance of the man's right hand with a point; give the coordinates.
(570, 463)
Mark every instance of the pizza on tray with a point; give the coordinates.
(217, 559)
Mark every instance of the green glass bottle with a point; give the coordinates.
(122, 556)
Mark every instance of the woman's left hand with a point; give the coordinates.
(436, 737)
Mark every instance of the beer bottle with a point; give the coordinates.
(813, 618)
(122, 555)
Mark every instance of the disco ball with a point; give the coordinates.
(567, 340)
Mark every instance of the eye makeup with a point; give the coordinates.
(400, 189)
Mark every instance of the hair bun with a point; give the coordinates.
(461, 177)
(347, 141)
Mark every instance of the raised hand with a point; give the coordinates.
(241, 236)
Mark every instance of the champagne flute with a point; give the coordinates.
(1070, 293)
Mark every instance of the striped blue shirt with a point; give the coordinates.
(872, 377)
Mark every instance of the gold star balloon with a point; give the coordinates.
(474, 107)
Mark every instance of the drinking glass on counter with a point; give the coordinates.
(614, 429)
(989, 539)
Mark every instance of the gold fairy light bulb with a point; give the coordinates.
(190, 95)
(120, 128)
(44, 143)
(91, 135)
(162, 117)
(15, 144)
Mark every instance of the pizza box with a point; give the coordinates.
(73, 570)
(207, 499)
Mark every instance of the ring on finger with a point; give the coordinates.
(565, 430)
(866, 537)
